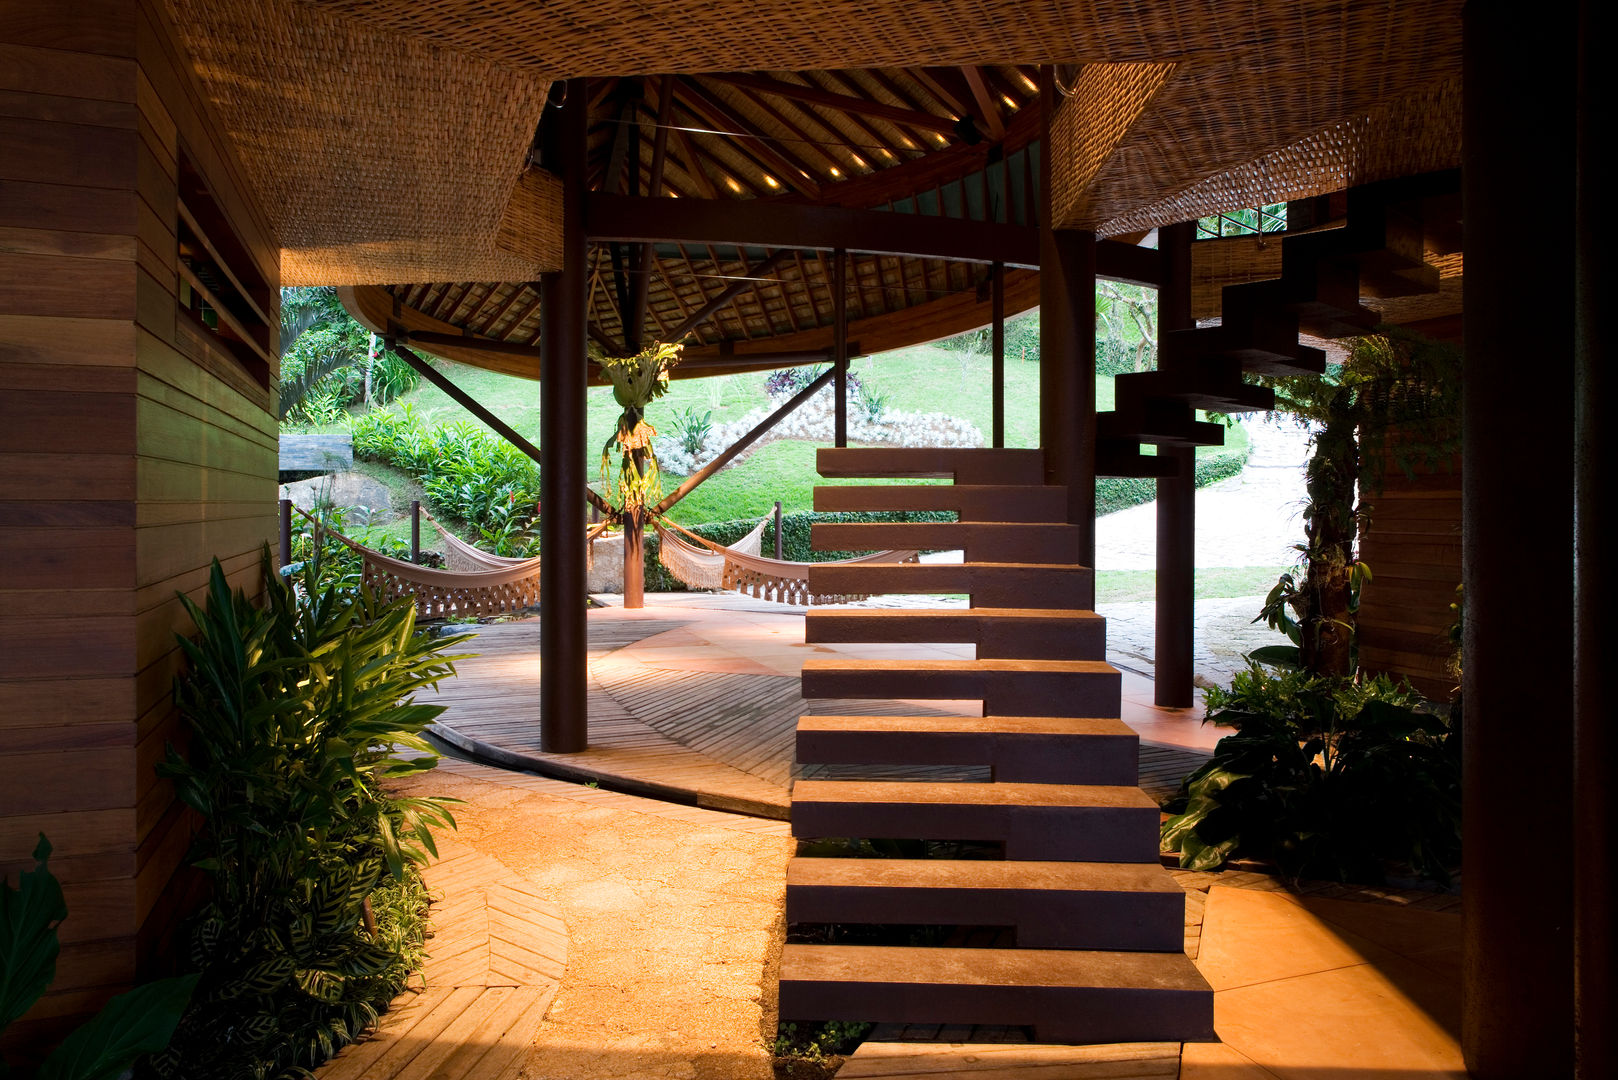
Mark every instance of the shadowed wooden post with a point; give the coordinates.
(778, 528)
(997, 282)
(1517, 513)
(286, 531)
(415, 530)
(1067, 349)
(1595, 883)
(562, 701)
(1176, 498)
(839, 307)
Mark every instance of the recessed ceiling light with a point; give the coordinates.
(770, 180)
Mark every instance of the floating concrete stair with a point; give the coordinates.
(1066, 996)
(1079, 822)
(1025, 633)
(1006, 687)
(981, 541)
(971, 502)
(1018, 749)
(933, 462)
(1051, 905)
(997, 585)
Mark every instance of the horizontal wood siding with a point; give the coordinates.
(1412, 543)
(132, 452)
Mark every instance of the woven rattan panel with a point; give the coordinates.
(380, 158)
(1411, 134)
(1103, 103)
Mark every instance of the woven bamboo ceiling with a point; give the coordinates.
(387, 136)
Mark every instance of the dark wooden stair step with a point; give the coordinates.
(964, 466)
(1006, 687)
(1056, 822)
(1264, 343)
(1123, 457)
(981, 541)
(971, 502)
(1162, 421)
(1019, 749)
(1022, 633)
(1064, 995)
(989, 584)
(1215, 387)
(1052, 905)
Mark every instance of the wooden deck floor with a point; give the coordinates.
(495, 958)
(719, 739)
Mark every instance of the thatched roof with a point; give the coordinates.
(388, 136)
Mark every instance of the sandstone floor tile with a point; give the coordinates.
(1259, 937)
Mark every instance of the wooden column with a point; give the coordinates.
(839, 307)
(997, 363)
(1067, 348)
(1517, 544)
(562, 702)
(1176, 498)
(1595, 882)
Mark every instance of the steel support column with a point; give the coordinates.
(1176, 498)
(1067, 349)
(1517, 514)
(839, 307)
(563, 717)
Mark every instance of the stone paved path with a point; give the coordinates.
(1251, 519)
(671, 916)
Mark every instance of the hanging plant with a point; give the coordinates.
(637, 381)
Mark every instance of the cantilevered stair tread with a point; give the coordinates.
(1013, 542)
(1028, 749)
(965, 466)
(1026, 633)
(1062, 905)
(971, 502)
(1080, 822)
(990, 584)
(1065, 995)
(1006, 687)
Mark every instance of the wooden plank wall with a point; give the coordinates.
(132, 451)
(1412, 543)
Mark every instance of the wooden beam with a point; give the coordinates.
(760, 146)
(987, 108)
(944, 94)
(768, 223)
(726, 295)
(640, 287)
(843, 102)
(740, 444)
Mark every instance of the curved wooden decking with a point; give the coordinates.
(694, 699)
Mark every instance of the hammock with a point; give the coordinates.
(742, 568)
(496, 590)
(463, 557)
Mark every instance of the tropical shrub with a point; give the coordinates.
(297, 711)
(466, 473)
(329, 362)
(129, 1027)
(1326, 776)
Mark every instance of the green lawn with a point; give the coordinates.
(923, 378)
(1212, 583)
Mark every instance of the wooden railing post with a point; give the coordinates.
(286, 532)
(778, 529)
(415, 531)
